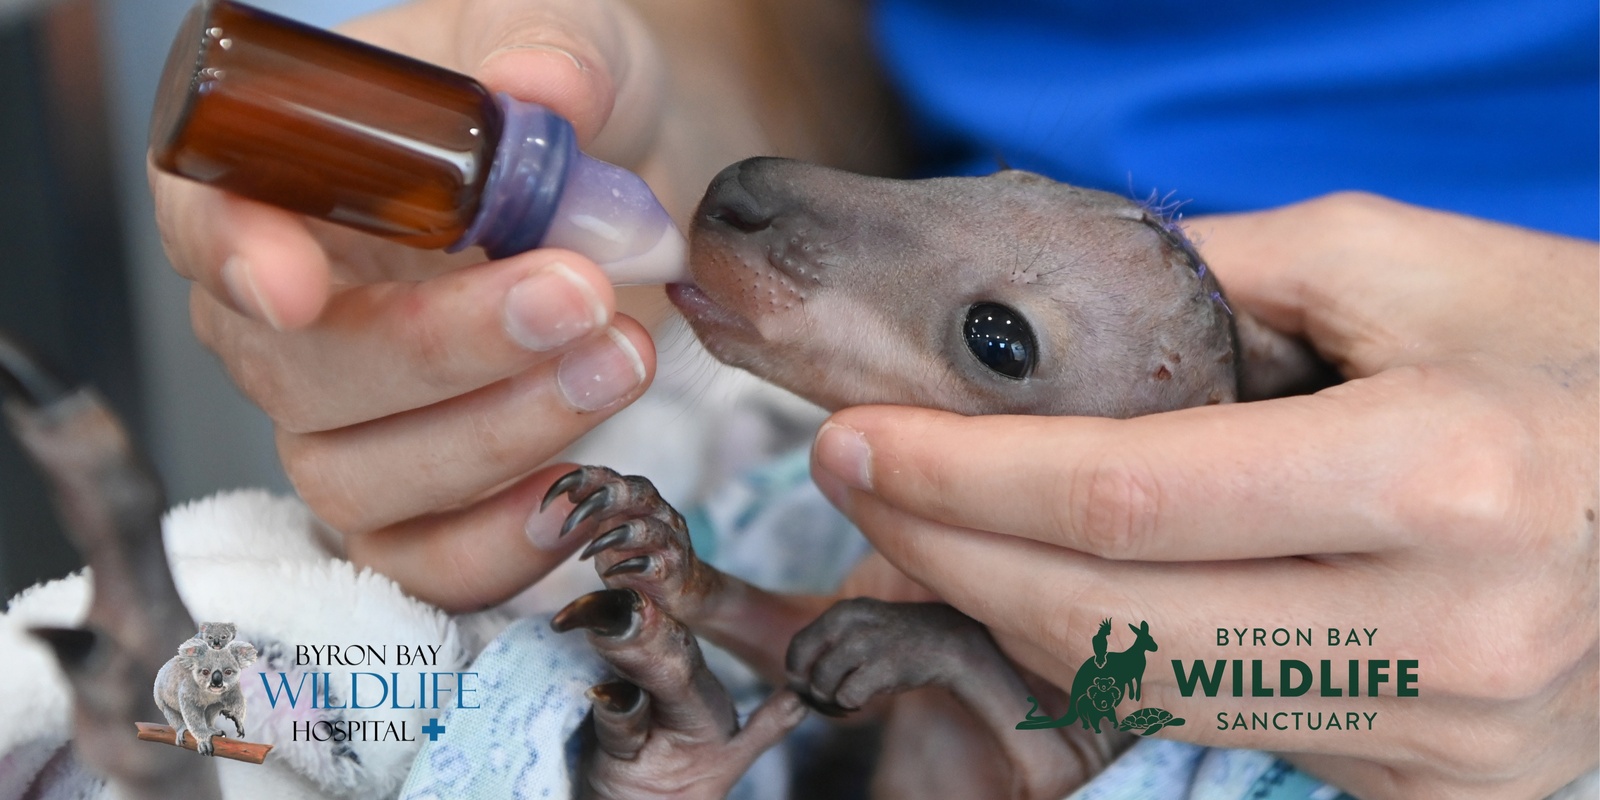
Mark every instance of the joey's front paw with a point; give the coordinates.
(861, 648)
(665, 727)
(642, 543)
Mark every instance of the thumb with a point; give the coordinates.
(594, 62)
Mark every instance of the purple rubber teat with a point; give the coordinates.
(543, 192)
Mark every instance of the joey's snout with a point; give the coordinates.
(760, 249)
(765, 228)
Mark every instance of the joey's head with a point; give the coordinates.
(217, 634)
(1007, 294)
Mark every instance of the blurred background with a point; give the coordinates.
(82, 274)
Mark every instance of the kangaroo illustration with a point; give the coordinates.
(1104, 680)
(1129, 664)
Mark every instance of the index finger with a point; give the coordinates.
(1352, 469)
(260, 261)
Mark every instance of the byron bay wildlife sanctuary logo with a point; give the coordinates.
(1105, 680)
(1311, 693)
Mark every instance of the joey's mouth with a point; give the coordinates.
(706, 314)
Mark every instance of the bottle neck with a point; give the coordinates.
(536, 151)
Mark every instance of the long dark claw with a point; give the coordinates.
(822, 707)
(564, 484)
(620, 697)
(586, 509)
(608, 612)
(73, 646)
(629, 566)
(24, 376)
(609, 539)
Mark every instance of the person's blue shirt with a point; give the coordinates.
(1485, 107)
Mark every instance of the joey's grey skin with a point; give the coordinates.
(217, 634)
(199, 683)
(851, 290)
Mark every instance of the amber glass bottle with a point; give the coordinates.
(323, 125)
(317, 123)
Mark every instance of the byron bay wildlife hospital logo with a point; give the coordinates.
(1104, 681)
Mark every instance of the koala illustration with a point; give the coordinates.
(198, 683)
(1099, 701)
(216, 634)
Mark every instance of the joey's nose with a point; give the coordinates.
(731, 201)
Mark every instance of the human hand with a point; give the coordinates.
(1444, 496)
(416, 394)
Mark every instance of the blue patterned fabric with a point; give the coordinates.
(519, 743)
(1154, 768)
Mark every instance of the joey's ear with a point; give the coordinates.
(1276, 365)
(1022, 176)
(244, 653)
(1134, 629)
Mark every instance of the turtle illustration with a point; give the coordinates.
(1149, 719)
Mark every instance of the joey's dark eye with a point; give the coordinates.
(1001, 339)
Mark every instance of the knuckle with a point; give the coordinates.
(459, 586)
(426, 345)
(1507, 674)
(312, 466)
(1069, 624)
(489, 438)
(1352, 210)
(1466, 487)
(1528, 657)
(1112, 510)
(254, 363)
(257, 377)
(261, 378)
(1484, 751)
(1341, 222)
(202, 318)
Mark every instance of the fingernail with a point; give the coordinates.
(551, 308)
(793, 709)
(844, 452)
(544, 533)
(601, 372)
(236, 275)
